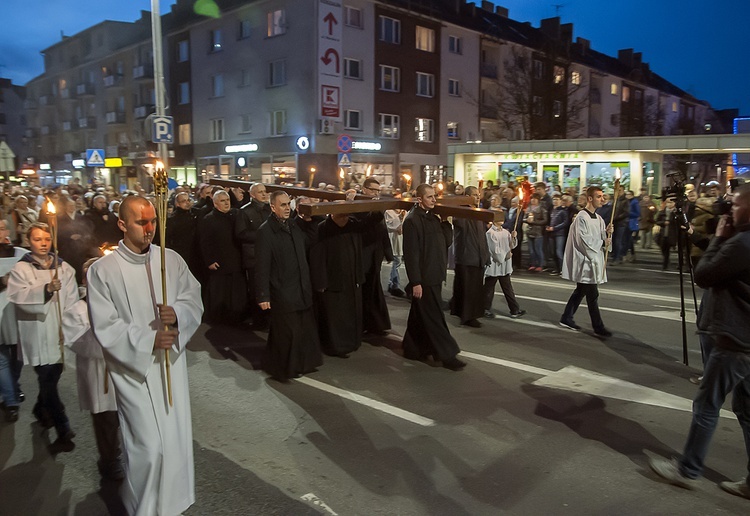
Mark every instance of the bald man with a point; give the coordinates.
(128, 318)
(103, 222)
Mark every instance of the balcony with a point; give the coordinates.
(143, 72)
(115, 117)
(87, 122)
(143, 111)
(113, 81)
(488, 70)
(85, 89)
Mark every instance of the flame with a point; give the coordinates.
(520, 194)
(159, 165)
(51, 208)
(407, 177)
(341, 174)
(618, 174)
(440, 186)
(107, 249)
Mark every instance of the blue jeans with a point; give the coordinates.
(560, 241)
(536, 251)
(620, 242)
(395, 281)
(10, 371)
(725, 372)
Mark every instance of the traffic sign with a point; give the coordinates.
(162, 129)
(95, 157)
(344, 160)
(345, 143)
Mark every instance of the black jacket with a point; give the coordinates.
(470, 242)
(217, 243)
(426, 242)
(182, 228)
(249, 219)
(282, 275)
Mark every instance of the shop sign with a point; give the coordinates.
(245, 147)
(535, 156)
(370, 146)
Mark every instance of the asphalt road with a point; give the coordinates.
(542, 420)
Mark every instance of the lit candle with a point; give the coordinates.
(341, 178)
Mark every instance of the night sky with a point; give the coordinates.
(702, 46)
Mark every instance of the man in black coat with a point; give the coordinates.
(249, 219)
(227, 294)
(103, 223)
(426, 242)
(472, 255)
(182, 228)
(376, 245)
(283, 288)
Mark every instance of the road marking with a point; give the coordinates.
(659, 271)
(575, 379)
(622, 293)
(571, 378)
(369, 402)
(312, 498)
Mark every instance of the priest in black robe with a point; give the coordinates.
(283, 288)
(426, 242)
(337, 275)
(376, 246)
(472, 256)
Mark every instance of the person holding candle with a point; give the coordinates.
(128, 320)
(36, 284)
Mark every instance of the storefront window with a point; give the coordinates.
(517, 171)
(603, 174)
(551, 175)
(572, 177)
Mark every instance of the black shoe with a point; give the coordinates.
(397, 292)
(603, 332)
(11, 414)
(516, 315)
(61, 446)
(111, 470)
(454, 364)
(569, 325)
(488, 314)
(472, 323)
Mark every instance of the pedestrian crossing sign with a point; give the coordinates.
(94, 157)
(344, 160)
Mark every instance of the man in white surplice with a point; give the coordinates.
(583, 262)
(128, 319)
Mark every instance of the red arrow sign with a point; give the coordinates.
(330, 19)
(327, 60)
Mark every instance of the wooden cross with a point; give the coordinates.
(452, 206)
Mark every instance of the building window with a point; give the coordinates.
(277, 73)
(389, 78)
(637, 95)
(626, 94)
(217, 130)
(690, 112)
(674, 107)
(390, 30)
(613, 88)
(353, 119)
(453, 131)
(538, 69)
(575, 78)
(454, 88)
(389, 126)
(454, 45)
(216, 41)
(537, 108)
(423, 130)
(425, 84)
(276, 23)
(352, 68)
(556, 109)
(184, 136)
(425, 39)
(246, 125)
(244, 31)
(183, 94)
(278, 122)
(245, 77)
(559, 77)
(353, 17)
(217, 85)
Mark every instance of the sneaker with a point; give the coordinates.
(554, 272)
(739, 488)
(538, 269)
(603, 332)
(670, 470)
(516, 315)
(488, 314)
(532, 268)
(569, 325)
(454, 364)
(696, 379)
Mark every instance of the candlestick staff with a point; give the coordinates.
(160, 191)
(52, 223)
(524, 197)
(611, 227)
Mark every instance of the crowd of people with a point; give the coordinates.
(246, 258)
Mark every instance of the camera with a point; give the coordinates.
(723, 206)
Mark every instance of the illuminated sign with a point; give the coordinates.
(44, 166)
(241, 162)
(245, 147)
(372, 146)
(112, 162)
(28, 171)
(79, 163)
(539, 155)
(303, 143)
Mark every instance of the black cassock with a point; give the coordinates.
(472, 255)
(426, 241)
(337, 276)
(376, 247)
(282, 277)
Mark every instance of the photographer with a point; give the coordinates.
(724, 319)
(666, 219)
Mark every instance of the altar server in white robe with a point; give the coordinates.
(128, 319)
(583, 262)
(35, 292)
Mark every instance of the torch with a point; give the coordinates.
(407, 178)
(341, 178)
(52, 222)
(612, 216)
(160, 190)
(311, 181)
(524, 196)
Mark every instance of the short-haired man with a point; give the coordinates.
(128, 318)
(583, 262)
(426, 242)
(724, 319)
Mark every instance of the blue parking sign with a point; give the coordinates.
(162, 129)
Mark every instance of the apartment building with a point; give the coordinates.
(12, 122)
